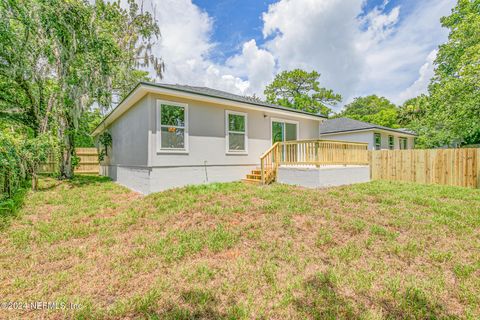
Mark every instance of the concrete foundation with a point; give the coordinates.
(154, 179)
(312, 177)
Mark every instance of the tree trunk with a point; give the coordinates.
(67, 152)
(34, 181)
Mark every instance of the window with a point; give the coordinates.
(236, 132)
(172, 126)
(378, 141)
(391, 143)
(403, 143)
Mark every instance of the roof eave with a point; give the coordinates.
(370, 129)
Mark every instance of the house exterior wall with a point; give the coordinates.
(360, 136)
(367, 136)
(324, 176)
(130, 136)
(163, 178)
(396, 137)
(136, 163)
(207, 141)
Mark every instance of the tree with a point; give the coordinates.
(413, 110)
(299, 89)
(58, 57)
(453, 112)
(89, 120)
(373, 109)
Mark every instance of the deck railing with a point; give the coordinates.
(323, 152)
(311, 153)
(269, 163)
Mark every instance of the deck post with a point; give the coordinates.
(262, 172)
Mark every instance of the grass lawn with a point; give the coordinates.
(373, 251)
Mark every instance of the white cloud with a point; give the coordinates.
(316, 35)
(258, 65)
(392, 64)
(382, 52)
(420, 85)
(379, 25)
(185, 46)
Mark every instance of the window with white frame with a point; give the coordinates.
(378, 141)
(403, 143)
(236, 132)
(172, 124)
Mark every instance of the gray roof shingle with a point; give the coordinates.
(346, 124)
(226, 95)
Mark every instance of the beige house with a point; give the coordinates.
(377, 137)
(166, 136)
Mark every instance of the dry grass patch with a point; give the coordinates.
(374, 251)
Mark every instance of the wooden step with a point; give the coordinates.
(258, 171)
(251, 181)
(254, 176)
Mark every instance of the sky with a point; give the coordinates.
(359, 47)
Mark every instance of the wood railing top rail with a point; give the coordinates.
(269, 150)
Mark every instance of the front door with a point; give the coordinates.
(285, 131)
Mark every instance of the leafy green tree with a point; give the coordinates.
(413, 110)
(299, 89)
(373, 109)
(58, 57)
(88, 121)
(453, 112)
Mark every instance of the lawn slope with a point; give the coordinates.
(373, 251)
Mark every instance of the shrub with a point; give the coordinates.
(20, 158)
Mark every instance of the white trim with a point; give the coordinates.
(227, 131)
(143, 89)
(158, 116)
(272, 120)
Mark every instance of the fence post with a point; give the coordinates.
(477, 163)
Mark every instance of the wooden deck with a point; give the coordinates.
(307, 152)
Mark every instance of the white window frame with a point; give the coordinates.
(159, 127)
(403, 142)
(272, 120)
(227, 132)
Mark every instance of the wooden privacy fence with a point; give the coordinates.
(311, 152)
(88, 162)
(455, 167)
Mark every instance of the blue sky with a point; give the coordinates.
(237, 21)
(360, 47)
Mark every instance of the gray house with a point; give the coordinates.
(377, 137)
(166, 136)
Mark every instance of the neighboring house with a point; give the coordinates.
(377, 137)
(166, 136)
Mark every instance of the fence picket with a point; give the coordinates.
(88, 162)
(456, 167)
